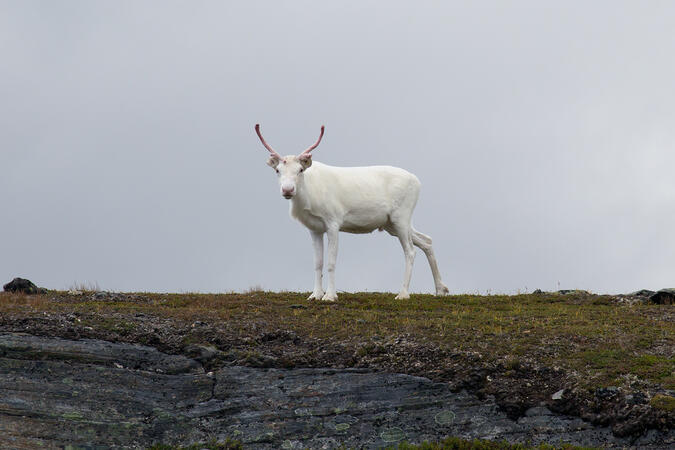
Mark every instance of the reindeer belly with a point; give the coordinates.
(364, 221)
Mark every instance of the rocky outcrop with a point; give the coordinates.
(58, 392)
(663, 297)
(24, 286)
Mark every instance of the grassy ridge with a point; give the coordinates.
(604, 341)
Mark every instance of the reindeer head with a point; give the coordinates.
(290, 169)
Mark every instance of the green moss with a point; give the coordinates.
(603, 358)
(664, 402)
(111, 324)
(228, 444)
(656, 368)
(74, 415)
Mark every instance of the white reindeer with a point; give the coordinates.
(329, 199)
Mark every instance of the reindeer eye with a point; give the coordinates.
(302, 170)
(276, 170)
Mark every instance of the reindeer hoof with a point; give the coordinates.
(403, 296)
(315, 296)
(328, 297)
(442, 290)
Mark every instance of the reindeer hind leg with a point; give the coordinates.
(423, 241)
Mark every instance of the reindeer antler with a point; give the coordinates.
(267, 146)
(306, 152)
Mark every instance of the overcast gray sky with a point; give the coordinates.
(542, 133)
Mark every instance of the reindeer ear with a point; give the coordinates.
(273, 162)
(305, 160)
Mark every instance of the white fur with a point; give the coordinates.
(328, 199)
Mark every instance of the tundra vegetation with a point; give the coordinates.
(603, 341)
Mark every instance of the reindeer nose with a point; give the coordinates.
(287, 191)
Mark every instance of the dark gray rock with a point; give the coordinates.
(607, 392)
(94, 352)
(663, 297)
(642, 293)
(24, 286)
(202, 353)
(88, 393)
(105, 296)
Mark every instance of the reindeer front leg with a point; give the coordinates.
(332, 238)
(317, 240)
